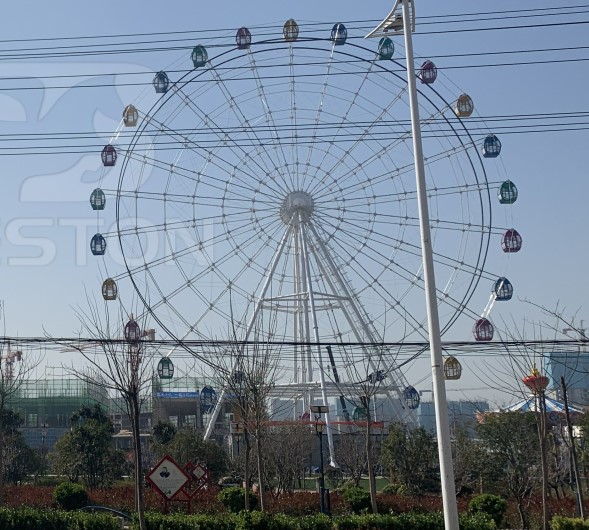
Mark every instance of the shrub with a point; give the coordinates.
(70, 496)
(40, 519)
(492, 505)
(233, 498)
(476, 521)
(357, 499)
(568, 523)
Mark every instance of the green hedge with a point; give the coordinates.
(262, 521)
(39, 519)
(568, 523)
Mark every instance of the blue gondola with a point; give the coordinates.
(491, 146)
(165, 368)
(503, 289)
(98, 245)
(411, 397)
(161, 83)
(339, 34)
(208, 398)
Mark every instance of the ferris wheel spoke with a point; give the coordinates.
(266, 165)
(293, 117)
(200, 246)
(267, 112)
(405, 136)
(325, 256)
(386, 241)
(212, 158)
(358, 140)
(406, 248)
(189, 144)
(217, 183)
(342, 124)
(392, 301)
(318, 112)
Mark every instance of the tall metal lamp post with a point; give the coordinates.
(319, 428)
(401, 20)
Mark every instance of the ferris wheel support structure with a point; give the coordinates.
(392, 22)
(250, 327)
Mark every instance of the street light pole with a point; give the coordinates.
(319, 428)
(396, 23)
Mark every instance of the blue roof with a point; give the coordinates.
(530, 404)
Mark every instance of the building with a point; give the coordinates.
(460, 413)
(574, 367)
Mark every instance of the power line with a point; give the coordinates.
(51, 52)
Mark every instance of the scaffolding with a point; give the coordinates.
(50, 403)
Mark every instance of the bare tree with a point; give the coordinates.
(351, 455)
(287, 448)
(121, 364)
(368, 374)
(248, 372)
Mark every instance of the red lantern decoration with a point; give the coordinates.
(536, 382)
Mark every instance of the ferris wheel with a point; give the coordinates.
(270, 192)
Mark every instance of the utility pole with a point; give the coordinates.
(579, 491)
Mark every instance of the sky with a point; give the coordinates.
(46, 268)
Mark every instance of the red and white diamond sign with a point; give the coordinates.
(168, 477)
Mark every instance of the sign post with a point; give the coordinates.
(168, 479)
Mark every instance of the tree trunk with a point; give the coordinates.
(1, 468)
(371, 477)
(246, 474)
(139, 504)
(261, 491)
(522, 514)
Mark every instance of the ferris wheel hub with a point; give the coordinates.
(297, 205)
